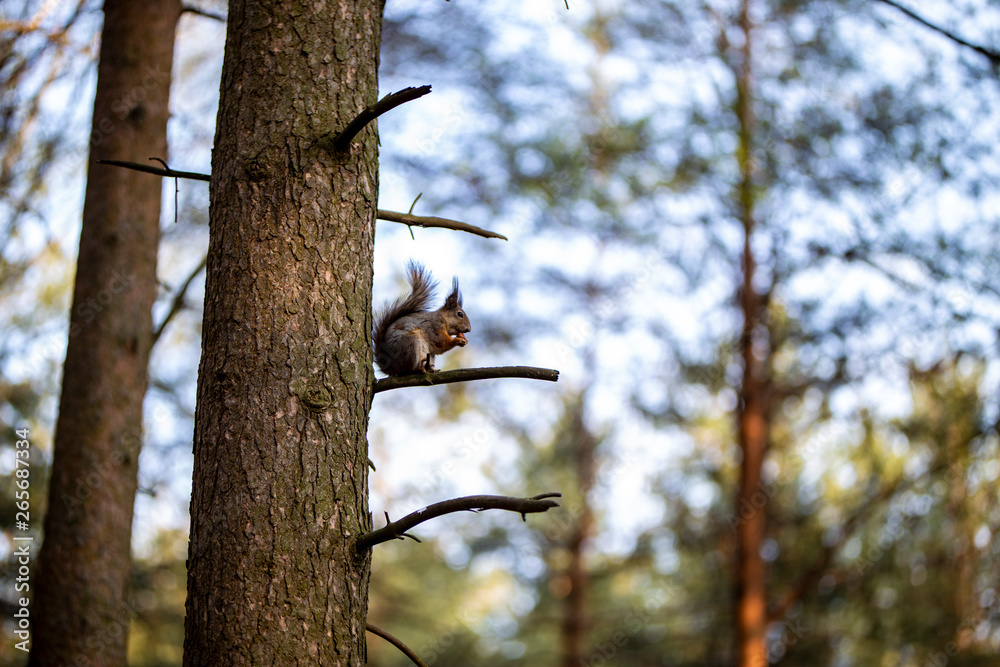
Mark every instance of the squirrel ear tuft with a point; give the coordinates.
(416, 273)
(454, 299)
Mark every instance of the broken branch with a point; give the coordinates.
(394, 530)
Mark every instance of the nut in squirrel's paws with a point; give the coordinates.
(461, 339)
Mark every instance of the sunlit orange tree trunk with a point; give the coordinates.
(80, 611)
(752, 417)
(280, 471)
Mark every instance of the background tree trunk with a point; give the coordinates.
(752, 418)
(80, 611)
(575, 628)
(284, 388)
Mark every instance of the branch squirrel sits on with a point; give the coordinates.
(407, 335)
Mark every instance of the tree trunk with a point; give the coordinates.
(574, 631)
(280, 485)
(80, 611)
(752, 427)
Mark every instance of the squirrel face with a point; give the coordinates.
(457, 322)
(459, 326)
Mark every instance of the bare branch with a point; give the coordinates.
(177, 187)
(414, 658)
(343, 140)
(191, 9)
(421, 221)
(171, 173)
(993, 56)
(390, 216)
(466, 375)
(396, 530)
(178, 303)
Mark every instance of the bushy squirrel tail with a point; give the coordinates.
(422, 288)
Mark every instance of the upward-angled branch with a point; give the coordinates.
(394, 530)
(373, 111)
(993, 56)
(466, 375)
(404, 649)
(178, 303)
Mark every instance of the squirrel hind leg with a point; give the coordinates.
(427, 365)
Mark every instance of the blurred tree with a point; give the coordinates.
(580, 447)
(156, 636)
(903, 546)
(440, 614)
(80, 608)
(39, 50)
(754, 405)
(33, 60)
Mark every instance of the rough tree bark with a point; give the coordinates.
(285, 383)
(80, 609)
(752, 418)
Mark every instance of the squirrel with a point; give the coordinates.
(407, 335)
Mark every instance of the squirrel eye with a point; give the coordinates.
(460, 314)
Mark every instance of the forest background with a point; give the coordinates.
(606, 141)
